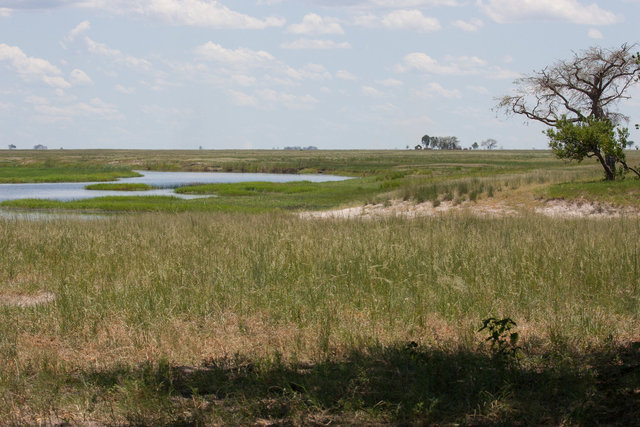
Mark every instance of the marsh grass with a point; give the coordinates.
(287, 319)
(50, 172)
(620, 193)
(122, 186)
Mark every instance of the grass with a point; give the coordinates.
(120, 187)
(379, 176)
(50, 172)
(620, 193)
(220, 318)
(233, 310)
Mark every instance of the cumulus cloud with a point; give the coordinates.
(117, 55)
(345, 75)
(81, 28)
(373, 4)
(400, 20)
(390, 82)
(453, 65)
(269, 99)
(594, 34)
(473, 24)
(241, 56)
(504, 11)
(309, 72)
(313, 24)
(371, 91)
(30, 68)
(435, 90)
(422, 62)
(125, 90)
(315, 44)
(201, 13)
(80, 78)
(96, 108)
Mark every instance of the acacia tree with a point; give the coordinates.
(580, 93)
(489, 143)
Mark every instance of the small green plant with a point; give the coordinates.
(503, 341)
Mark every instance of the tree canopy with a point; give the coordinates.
(578, 97)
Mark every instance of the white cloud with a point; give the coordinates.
(374, 4)
(243, 80)
(504, 11)
(82, 27)
(79, 77)
(371, 91)
(473, 24)
(30, 68)
(241, 56)
(400, 20)
(418, 61)
(479, 89)
(309, 72)
(241, 99)
(288, 100)
(390, 82)
(594, 34)
(460, 66)
(313, 24)
(345, 75)
(125, 90)
(315, 44)
(435, 90)
(202, 13)
(270, 99)
(49, 113)
(118, 56)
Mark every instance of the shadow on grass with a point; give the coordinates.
(403, 384)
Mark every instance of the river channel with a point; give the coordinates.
(165, 182)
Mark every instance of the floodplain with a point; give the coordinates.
(240, 309)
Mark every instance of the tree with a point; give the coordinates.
(582, 91)
(445, 142)
(12, 147)
(475, 145)
(425, 141)
(489, 143)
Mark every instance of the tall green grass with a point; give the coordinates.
(183, 288)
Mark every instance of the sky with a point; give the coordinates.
(263, 74)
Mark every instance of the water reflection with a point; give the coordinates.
(166, 181)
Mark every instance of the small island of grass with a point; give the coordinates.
(119, 186)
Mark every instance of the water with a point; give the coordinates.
(166, 181)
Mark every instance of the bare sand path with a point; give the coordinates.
(484, 207)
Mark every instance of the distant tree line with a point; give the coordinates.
(452, 143)
(439, 143)
(311, 147)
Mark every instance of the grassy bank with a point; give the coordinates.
(217, 318)
(52, 173)
(119, 187)
(383, 176)
(619, 193)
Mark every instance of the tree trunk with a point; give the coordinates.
(608, 172)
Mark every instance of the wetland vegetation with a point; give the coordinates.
(235, 310)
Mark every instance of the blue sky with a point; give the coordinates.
(352, 74)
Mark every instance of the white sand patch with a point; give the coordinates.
(27, 300)
(483, 208)
(406, 209)
(582, 208)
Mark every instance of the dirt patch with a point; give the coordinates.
(27, 300)
(484, 208)
(406, 209)
(583, 208)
